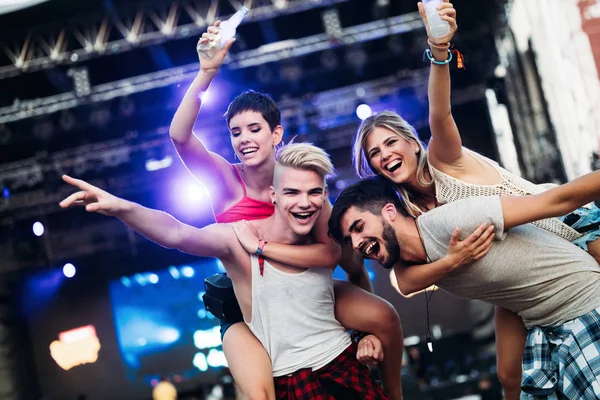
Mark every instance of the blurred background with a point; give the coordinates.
(90, 310)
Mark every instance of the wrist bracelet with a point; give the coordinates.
(434, 61)
(261, 246)
(441, 46)
(261, 259)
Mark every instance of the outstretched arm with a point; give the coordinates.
(157, 226)
(414, 278)
(555, 202)
(202, 163)
(445, 145)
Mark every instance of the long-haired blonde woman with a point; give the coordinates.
(387, 145)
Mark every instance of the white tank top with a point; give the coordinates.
(449, 189)
(293, 317)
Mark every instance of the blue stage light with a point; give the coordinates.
(188, 271)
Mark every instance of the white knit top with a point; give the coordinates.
(449, 189)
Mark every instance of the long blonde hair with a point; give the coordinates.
(391, 120)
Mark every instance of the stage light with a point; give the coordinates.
(174, 272)
(195, 192)
(200, 362)
(69, 270)
(216, 358)
(38, 228)
(192, 197)
(126, 281)
(140, 279)
(188, 271)
(205, 97)
(168, 335)
(154, 165)
(6, 193)
(363, 111)
(153, 278)
(207, 339)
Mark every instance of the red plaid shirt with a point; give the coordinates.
(344, 370)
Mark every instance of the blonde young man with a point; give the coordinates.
(289, 309)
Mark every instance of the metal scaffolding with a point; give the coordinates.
(116, 32)
(268, 53)
(323, 111)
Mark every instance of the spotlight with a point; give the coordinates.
(153, 278)
(188, 271)
(38, 228)
(154, 165)
(6, 192)
(69, 270)
(363, 111)
(205, 97)
(195, 192)
(174, 272)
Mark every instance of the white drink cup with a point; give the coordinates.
(437, 26)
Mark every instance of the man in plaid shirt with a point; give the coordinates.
(551, 284)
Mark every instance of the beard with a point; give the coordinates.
(392, 246)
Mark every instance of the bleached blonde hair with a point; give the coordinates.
(395, 123)
(304, 156)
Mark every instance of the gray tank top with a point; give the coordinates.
(293, 317)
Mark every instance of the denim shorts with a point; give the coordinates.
(586, 221)
(229, 308)
(224, 324)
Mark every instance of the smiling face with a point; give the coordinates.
(372, 236)
(299, 196)
(252, 139)
(391, 155)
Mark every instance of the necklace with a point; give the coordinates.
(427, 295)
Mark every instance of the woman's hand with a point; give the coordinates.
(247, 236)
(211, 58)
(474, 247)
(448, 14)
(370, 350)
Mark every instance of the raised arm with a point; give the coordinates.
(555, 202)
(202, 163)
(414, 278)
(445, 146)
(157, 226)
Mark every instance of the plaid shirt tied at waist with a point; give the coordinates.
(344, 370)
(563, 361)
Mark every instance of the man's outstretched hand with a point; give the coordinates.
(92, 198)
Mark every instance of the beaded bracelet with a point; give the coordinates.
(434, 61)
